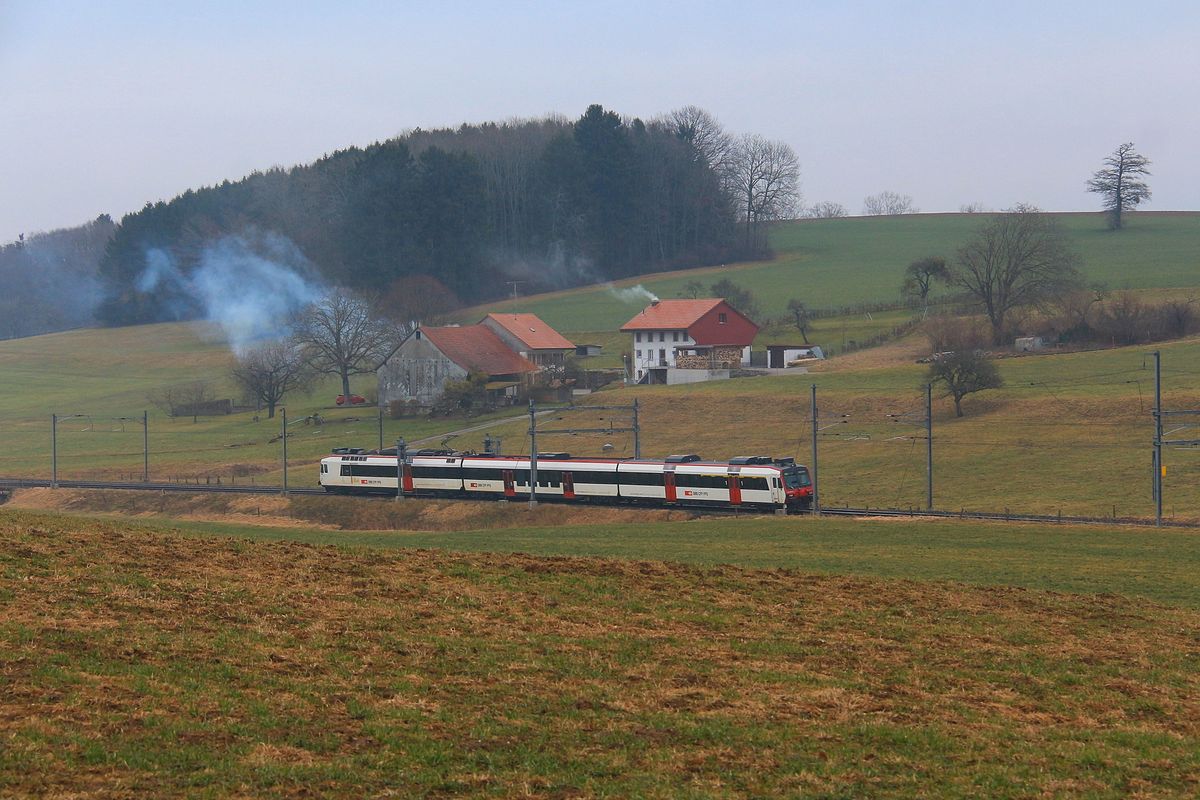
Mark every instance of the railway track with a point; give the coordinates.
(845, 511)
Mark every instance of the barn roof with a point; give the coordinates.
(671, 314)
(530, 329)
(477, 348)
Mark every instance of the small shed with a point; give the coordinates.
(780, 356)
(586, 350)
(1027, 344)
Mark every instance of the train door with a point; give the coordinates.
(735, 489)
(568, 485)
(669, 484)
(407, 482)
(510, 490)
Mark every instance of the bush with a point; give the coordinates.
(955, 333)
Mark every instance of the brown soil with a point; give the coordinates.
(137, 663)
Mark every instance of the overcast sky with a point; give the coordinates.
(106, 106)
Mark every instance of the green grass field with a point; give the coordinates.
(141, 662)
(840, 262)
(1069, 433)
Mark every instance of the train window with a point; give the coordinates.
(641, 478)
(439, 473)
(482, 474)
(759, 484)
(702, 481)
(602, 478)
(345, 470)
(795, 478)
(372, 471)
(549, 477)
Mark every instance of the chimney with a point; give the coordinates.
(654, 302)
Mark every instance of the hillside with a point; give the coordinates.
(1069, 432)
(830, 263)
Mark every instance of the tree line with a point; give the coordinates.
(455, 213)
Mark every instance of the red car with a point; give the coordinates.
(355, 400)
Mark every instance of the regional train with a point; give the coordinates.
(758, 483)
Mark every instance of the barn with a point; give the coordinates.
(432, 356)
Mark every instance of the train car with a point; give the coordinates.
(751, 482)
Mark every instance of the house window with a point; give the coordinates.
(662, 336)
(721, 318)
(662, 356)
(637, 337)
(675, 336)
(639, 353)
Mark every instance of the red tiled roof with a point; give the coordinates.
(477, 348)
(530, 329)
(671, 314)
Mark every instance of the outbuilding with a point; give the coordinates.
(431, 357)
(780, 356)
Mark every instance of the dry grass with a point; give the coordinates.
(139, 663)
(331, 513)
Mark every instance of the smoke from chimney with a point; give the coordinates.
(632, 294)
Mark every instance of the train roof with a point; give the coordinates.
(677, 461)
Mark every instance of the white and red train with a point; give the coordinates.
(749, 482)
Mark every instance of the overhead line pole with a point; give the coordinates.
(145, 447)
(532, 455)
(54, 451)
(816, 500)
(1158, 431)
(285, 459)
(929, 447)
(637, 431)
(401, 462)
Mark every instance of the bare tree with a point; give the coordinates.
(766, 175)
(826, 209)
(1018, 259)
(1118, 183)
(920, 275)
(692, 289)
(710, 140)
(270, 371)
(973, 208)
(964, 372)
(888, 203)
(801, 317)
(341, 335)
(740, 298)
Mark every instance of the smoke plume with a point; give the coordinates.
(250, 286)
(632, 294)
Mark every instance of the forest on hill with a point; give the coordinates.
(452, 216)
(51, 280)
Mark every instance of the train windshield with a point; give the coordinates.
(796, 477)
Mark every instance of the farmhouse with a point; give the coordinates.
(692, 335)
(430, 357)
(533, 339)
